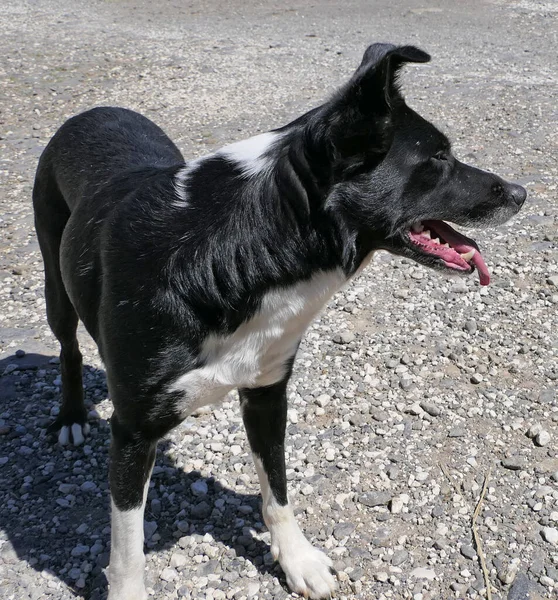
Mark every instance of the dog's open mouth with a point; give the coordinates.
(457, 252)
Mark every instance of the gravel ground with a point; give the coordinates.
(409, 390)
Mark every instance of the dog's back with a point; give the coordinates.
(93, 147)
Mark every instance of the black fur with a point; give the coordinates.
(152, 273)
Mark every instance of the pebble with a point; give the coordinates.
(432, 409)
(468, 552)
(178, 560)
(346, 337)
(399, 557)
(423, 573)
(372, 499)
(169, 574)
(508, 573)
(542, 438)
(342, 530)
(514, 463)
(523, 589)
(199, 488)
(550, 534)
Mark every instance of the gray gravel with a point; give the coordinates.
(408, 389)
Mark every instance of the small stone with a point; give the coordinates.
(476, 378)
(396, 505)
(534, 430)
(178, 560)
(20, 353)
(432, 409)
(346, 337)
(514, 463)
(382, 577)
(201, 510)
(423, 573)
(523, 589)
(88, 486)
(542, 438)
(471, 326)
(199, 488)
(459, 288)
(343, 530)
(399, 557)
(508, 573)
(553, 280)
(169, 574)
(468, 552)
(149, 528)
(550, 534)
(372, 499)
(66, 488)
(323, 400)
(330, 454)
(82, 529)
(456, 432)
(80, 550)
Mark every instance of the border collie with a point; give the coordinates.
(197, 278)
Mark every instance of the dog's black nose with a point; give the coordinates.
(517, 193)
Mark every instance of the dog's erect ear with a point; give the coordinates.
(374, 83)
(364, 104)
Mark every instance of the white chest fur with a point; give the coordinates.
(256, 354)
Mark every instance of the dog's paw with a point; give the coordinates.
(129, 592)
(309, 571)
(73, 433)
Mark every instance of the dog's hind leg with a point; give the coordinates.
(131, 462)
(308, 570)
(51, 216)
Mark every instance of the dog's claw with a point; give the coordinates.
(70, 434)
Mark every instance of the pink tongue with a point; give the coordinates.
(461, 244)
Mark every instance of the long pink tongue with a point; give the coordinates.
(461, 244)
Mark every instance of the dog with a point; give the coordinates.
(197, 278)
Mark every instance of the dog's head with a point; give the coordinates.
(394, 176)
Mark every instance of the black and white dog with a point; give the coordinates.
(196, 278)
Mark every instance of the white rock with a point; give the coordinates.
(423, 573)
(542, 438)
(396, 505)
(178, 560)
(550, 534)
(534, 430)
(169, 574)
(323, 400)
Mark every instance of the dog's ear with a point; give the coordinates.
(361, 110)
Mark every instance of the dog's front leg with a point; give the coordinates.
(308, 570)
(131, 462)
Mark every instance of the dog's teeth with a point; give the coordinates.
(418, 227)
(446, 245)
(427, 234)
(436, 240)
(468, 255)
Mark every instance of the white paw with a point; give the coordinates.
(75, 433)
(129, 592)
(308, 570)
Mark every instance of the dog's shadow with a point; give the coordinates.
(55, 508)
